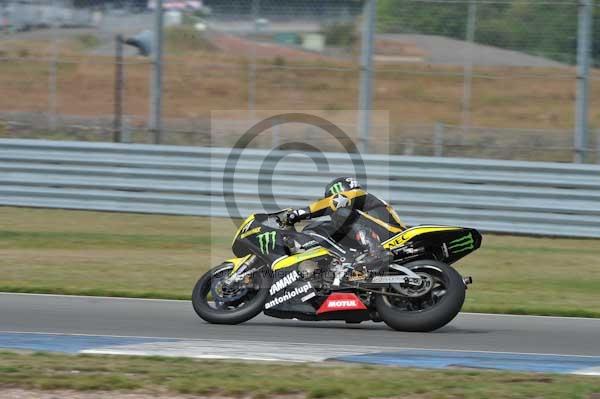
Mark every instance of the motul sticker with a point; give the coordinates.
(341, 301)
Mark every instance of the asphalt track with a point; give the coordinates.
(27, 313)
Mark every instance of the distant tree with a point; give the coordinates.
(539, 28)
(401, 16)
(341, 34)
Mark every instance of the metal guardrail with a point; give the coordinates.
(496, 196)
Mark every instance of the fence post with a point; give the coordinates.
(438, 139)
(118, 121)
(156, 83)
(253, 57)
(468, 65)
(365, 97)
(52, 74)
(126, 131)
(583, 70)
(598, 146)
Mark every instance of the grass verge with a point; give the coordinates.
(153, 256)
(45, 371)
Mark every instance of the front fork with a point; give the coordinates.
(243, 270)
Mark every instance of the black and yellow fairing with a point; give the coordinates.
(444, 243)
(245, 243)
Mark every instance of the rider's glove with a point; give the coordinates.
(297, 215)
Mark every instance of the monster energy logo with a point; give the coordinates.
(462, 244)
(265, 240)
(336, 188)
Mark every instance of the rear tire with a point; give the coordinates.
(237, 316)
(429, 319)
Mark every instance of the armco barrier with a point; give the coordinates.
(495, 196)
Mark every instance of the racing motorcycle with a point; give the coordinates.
(291, 274)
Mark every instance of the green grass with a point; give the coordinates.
(542, 276)
(154, 256)
(44, 371)
(87, 41)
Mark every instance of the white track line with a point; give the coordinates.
(532, 316)
(595, 371)
(336, 346)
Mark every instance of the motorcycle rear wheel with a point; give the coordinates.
(250, 305)
(403, 315)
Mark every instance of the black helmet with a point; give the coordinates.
(341, 184)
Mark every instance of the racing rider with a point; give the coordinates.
(356, 215)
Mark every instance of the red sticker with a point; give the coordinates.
(341, 301)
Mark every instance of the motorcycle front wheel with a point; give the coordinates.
(220, 303)
(427, 307)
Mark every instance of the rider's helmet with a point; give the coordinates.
(341, 184)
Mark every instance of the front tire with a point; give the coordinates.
(441, 310)
(249, 308)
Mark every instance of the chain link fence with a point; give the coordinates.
(475, 78)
